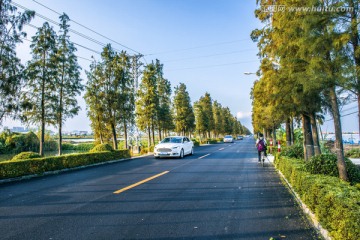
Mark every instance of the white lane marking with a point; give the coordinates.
(204, 156)
(221, 149)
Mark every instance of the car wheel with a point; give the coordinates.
(192, 151)
(181, 153)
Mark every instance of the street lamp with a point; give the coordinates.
(249, 73)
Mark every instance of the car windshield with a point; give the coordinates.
(228, 136)
(172, 140)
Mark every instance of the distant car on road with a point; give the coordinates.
(240, 138)
(176, 146)
(228, 139)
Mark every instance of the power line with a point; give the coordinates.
(212, 55)
(75, 55)
(71, 30)
(209, 66)
(342, 116)
(77, 44)
(203, 46)
(93, 31)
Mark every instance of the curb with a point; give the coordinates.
(324, 233)
(17, 179)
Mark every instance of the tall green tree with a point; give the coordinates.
(183, 111)
(94, 95)
(42, 74)
(147, 102)
(11, 69)
(218, 119)
(164, 114)
(69, 82)
(125, 93)
(204, 115)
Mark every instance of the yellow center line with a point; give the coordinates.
(139, 183)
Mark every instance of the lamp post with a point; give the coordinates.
(249, 73)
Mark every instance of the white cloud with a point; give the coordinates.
(242, 115)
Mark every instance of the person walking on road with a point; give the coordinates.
(261, 146)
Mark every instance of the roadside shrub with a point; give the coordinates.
(102, 148)
(334, 202)
(78, 147)
(145, 150)
(326, 164)
(11, 169)
(322, 164)
(294, 151)
(353, 153)
(26, 155)
(196, 142)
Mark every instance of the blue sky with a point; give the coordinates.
(203, 43)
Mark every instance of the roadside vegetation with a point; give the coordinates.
(43, 93)
(309, 68)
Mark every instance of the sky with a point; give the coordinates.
(205, 44)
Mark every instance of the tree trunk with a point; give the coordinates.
(274, 134)
(115, 145)
(100, 130)
(60, 138)
(153, 134)
(160, 136)
(358, 102)
(292, 131)
(288, 132)
(60, 119)
(338, 135)
(149, 137)
(42, 137)
(265, 133)
(308, 139)
(315, 134)
(125, 135)
(355, 44)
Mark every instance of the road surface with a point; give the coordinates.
(220, 192)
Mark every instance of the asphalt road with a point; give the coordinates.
(220, 192)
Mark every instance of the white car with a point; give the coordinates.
(228, 139)
(176, 146)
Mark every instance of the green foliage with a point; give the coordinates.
(101, 148)
(78, 147)
(334, 202)
(164, 117)
(17, 142)
(11, 169)
(11, 69)
(196, 142)
(326, 164)
(26, 155)
(146, 150)
(110, 94)
(183, 112)
(353, 153)
(204, 115)
(68, 84)
(294, 151)
(322, 164)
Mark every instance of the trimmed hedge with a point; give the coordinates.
(11, 169)
(78, 147)
(101, 148)
(335, 203)
(26, 155)
(196, 142)
(327, 164)
(353, 153)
